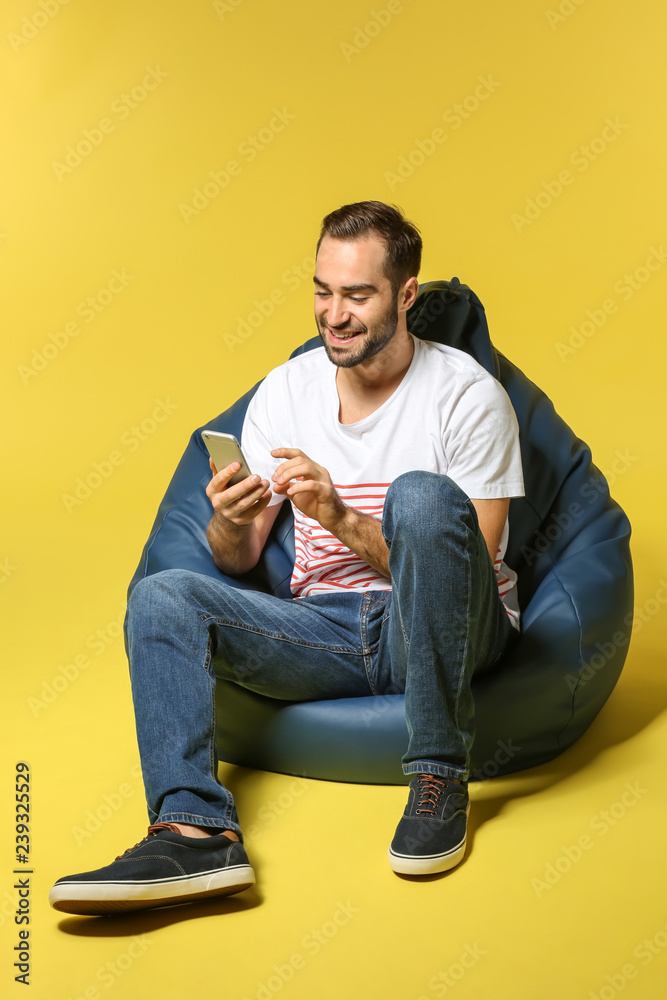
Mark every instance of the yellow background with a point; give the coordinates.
(360, 101)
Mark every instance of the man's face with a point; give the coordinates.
(355, 309)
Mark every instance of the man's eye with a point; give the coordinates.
(352, 297)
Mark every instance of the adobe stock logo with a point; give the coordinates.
(311, 943)
(600, 824)
(222, 7)
(364, 34)
(625, 288)
(88, 309)
(248, 149)
(98, 642)
(454, 117)
(6, 569)
(103, 468)
(645, 951)
(554, 187)
(447, 978)
(566, 8)
(31, 26)
(264, 308)
(122, 107)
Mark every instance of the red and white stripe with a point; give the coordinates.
(324, 564)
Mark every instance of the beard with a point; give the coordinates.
(371, 341)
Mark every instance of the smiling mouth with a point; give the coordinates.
(342, 337)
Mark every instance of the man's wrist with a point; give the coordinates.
(362, 534)
(344, 522)
(225, 526)
(232, 545)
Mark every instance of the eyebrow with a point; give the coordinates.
(349, 288)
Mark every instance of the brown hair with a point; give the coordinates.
(400, 236)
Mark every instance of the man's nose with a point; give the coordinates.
(337, 314)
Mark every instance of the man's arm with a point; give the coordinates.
(492, 515)
(363, 534)
(310, 487)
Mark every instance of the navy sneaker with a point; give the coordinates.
(431, 836)
(163, 868)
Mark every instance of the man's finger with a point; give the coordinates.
(287, 452)
(247, 499)
(254, 504)
(226, 474)
(306, 486)
(234, 493)
(246, 486)
(289, 470)
(233, 506)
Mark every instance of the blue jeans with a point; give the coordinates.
(442, 620)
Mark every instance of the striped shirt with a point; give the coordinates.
(448, 415)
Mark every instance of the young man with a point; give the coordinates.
(399, 457)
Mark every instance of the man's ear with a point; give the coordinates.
(408, 293)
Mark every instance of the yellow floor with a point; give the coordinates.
(165, 171)
(561, 892)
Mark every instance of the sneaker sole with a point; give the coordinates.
(92, 898)
(428, 864)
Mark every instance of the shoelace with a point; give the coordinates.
(430, 790)
(151, 830)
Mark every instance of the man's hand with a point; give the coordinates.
(240, 503)
(309, 487)
(235, 532)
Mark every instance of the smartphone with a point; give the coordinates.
(225, 449)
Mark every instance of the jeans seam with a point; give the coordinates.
(467, 640)
(366, 604)
(440, 770)
(400, 622)
(211, 680)
(394, 595)
(194, 819)
(279, 636)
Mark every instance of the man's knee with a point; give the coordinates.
(422, 501)
(160, 591)
(423, 487)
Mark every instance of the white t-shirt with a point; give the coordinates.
(448, 415)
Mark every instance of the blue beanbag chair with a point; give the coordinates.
(568, 542)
